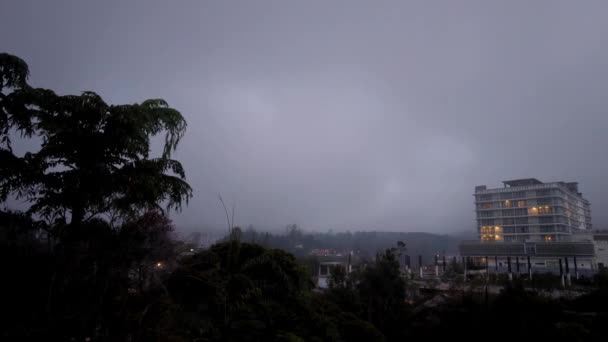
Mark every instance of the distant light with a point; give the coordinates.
(191, 249)
(159, 264)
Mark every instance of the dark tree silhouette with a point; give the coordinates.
(93, 159)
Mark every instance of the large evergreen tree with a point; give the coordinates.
(93, 158)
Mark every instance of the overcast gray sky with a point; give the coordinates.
(344, 114)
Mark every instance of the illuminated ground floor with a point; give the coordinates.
(535, 257)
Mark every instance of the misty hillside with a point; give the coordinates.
(417, 243)
(364, 243)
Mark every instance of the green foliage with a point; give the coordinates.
(94, 158)
(245, 292)
(543, 281)
(338, 277)
(13, 74)
(382, 291)
(13, 71)
(375, 294)
(95, 283)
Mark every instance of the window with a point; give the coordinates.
(547, 229)
(520, 212)
(484, 197)
(547, 219)
(521, 220)
(542, 193)
(486, 205)
(487, 214)
(519, 194)
(509, 230)
(506, 195)
(507, 204)
(490, 237)
(521, 204)
(508, 221)
(544, 201)
(533, 211)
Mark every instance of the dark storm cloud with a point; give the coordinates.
(345, 114)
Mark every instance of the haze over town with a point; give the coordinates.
(378, 115)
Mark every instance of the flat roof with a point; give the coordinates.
(522, 182)
(532, 248)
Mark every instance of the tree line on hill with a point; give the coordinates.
(366, 243)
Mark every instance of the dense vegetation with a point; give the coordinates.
(93, 259)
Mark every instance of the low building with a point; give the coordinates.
(328, 263)
(599, 238)
(575, 257)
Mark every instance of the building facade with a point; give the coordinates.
(574, 257)
(530, 210)
(528, 226)
(599, 238)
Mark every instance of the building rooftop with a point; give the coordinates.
(529, 182)
(521, 182)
